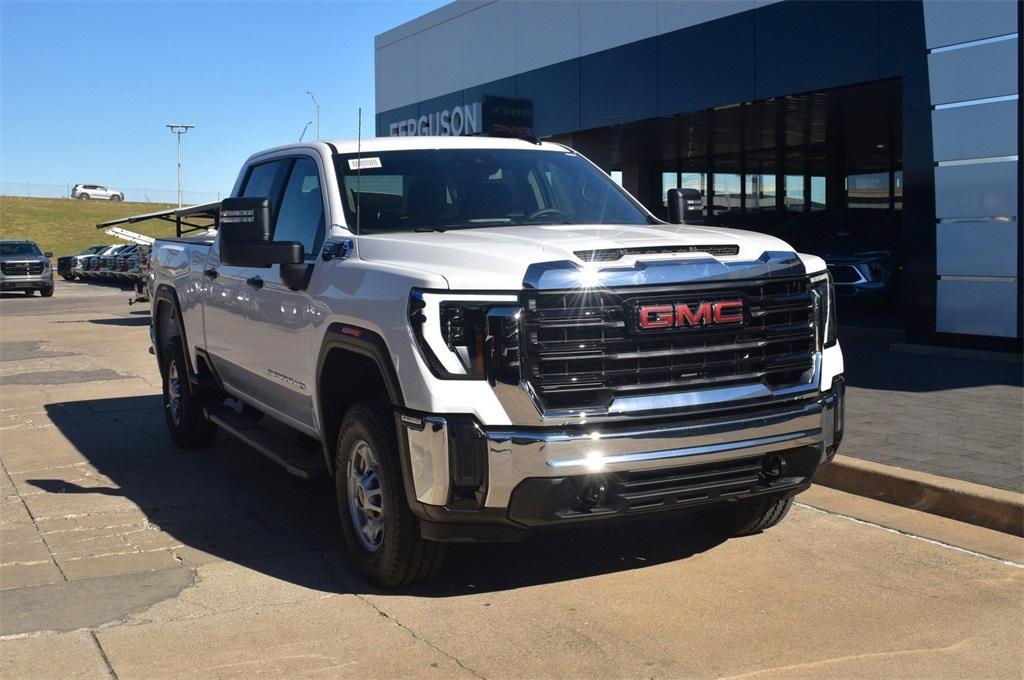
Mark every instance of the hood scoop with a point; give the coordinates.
(612, 254)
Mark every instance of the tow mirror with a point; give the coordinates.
(684, 206)
(246, 239)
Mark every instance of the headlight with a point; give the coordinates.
(824, 297)
(467, 337)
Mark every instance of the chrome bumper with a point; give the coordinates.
(514, 455)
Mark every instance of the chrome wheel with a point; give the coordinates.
(365, 495)
(174, 392)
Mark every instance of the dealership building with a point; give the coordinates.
(885, 136)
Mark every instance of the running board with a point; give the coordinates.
(297, 460)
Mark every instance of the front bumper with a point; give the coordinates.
(35, 282)
(468, 482)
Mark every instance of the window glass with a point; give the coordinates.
(760, 192)
(870, 190)
(301, 217)
(16, 248)
(794, 192)
(476, 188)
(817, 193)
(261, 180)
(616, 176)
(727, 192)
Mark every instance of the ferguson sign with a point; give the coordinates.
(459, 120)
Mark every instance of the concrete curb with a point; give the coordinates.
(975, 504)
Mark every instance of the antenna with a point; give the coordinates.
(359, 164)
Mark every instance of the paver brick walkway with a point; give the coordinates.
(956, 418)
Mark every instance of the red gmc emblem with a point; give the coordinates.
(683, 315)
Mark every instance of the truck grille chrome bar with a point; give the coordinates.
(583, 349)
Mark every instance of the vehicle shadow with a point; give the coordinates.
(229, 503)
(873, 365)
(123, 321)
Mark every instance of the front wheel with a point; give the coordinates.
(183, 413)
(115, 197)
(743, 518)
(46, 292)
(381, 533)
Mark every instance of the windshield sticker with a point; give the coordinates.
(363, 163)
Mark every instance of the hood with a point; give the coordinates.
(496, 258)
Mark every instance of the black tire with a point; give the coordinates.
(46, 292)
(748, 517)
(398, 555)
(115, 197)
(186, 420)
(83, 197)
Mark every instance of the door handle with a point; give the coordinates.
(255, 281)
(210, 273)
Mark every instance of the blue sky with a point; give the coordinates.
(87, 87)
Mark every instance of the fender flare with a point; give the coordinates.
(366, 343)
(166, 293)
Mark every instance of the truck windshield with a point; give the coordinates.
(442, 189)
(19, 249)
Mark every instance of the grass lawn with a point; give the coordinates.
(65, 226)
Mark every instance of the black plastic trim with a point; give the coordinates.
(368, 344)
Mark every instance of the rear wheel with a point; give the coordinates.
(381, 533)
(183, 412)
(747, 517)
(83, 197)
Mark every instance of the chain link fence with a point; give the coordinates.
(140, 195)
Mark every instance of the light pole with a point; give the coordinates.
(317, 107)
(306, 127)
(179, 129)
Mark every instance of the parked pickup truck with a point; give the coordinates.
(479, 338)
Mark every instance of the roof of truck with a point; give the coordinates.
(378, 144)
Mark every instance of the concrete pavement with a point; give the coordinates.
(121, 556)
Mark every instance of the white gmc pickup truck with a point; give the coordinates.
(479, 338)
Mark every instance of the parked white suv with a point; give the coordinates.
(87, 191)
(481, 338)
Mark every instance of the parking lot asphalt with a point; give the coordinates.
(124, 557)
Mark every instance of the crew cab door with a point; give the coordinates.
(227, 293)
(280, 329)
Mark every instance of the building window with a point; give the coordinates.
(870, 190)
(818, 193)
(794, 192)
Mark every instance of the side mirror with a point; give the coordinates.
(245, 236)
(684, 206)
(48, 254)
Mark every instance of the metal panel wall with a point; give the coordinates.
(949, 22)
(978, 72)
(978, 307)
(974, 50)
(981, 131)
(977, 248)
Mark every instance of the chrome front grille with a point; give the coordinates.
(22, 268)
(582, 349)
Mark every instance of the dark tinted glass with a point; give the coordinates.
(301, 217)
(474, 188)
(19, 249)
(261, 180)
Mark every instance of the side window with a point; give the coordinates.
(301, 217)
(261, 180)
